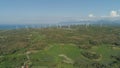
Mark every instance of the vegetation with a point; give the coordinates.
(75, 47)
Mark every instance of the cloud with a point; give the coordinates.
(91, 15)
(114, 14)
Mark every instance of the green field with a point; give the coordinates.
(77, 47)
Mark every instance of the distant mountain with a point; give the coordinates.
(107, 22)
(95, 22)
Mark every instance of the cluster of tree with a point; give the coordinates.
(90, 55)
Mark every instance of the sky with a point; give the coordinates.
(54, 11)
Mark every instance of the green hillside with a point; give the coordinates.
(75, 47)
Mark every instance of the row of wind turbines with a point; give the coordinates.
(64, 26)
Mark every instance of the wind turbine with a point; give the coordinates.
(16, 27)
(26, 27)
(87, 25)
(101, 24)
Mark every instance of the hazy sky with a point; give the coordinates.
(52, 11)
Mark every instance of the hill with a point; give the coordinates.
(75, 47)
